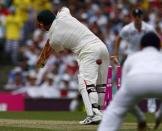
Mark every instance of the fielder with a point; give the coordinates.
(132, 34)
(141, 78)
(66, 31)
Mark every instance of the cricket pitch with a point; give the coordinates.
(59, 125)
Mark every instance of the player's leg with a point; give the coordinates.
(158, 117)
(90, 100)
(103, 62)
(102, 75)
(151, 105)
(149, 86)
(88, 70)
(86, 100)
(136, 111)
(113, 115)
(125, 98)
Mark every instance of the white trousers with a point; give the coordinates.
(92, 73)
(134, 89)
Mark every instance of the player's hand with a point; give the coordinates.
(45, 53)
(115, 59)
(40, 63)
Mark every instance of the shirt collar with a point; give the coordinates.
(149, 48)
(142, 26)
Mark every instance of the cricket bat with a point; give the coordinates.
(44, 55)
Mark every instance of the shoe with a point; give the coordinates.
(89, 120)
(142, 126)
(157, 121)
(157, 124)
(97, 119)
(97, 112)
(86, 121)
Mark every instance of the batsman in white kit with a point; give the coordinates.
(141, 78)
(66, 32)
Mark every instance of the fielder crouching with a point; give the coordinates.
(141, 78)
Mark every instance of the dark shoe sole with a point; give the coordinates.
(157, 124)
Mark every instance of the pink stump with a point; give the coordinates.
(108, 89)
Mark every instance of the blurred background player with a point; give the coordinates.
(140, 79)
(93, 58)
(132, 33)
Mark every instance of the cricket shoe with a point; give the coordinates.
(89, 120)
(157, 121)
(97, 112)
(142, 126)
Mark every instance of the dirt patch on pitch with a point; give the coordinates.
(56, 125)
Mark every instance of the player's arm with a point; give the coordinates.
(126, 68)
(116, 50)
(44, 55)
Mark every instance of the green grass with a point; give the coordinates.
(56, 121)
(66, 116)
(3, 128)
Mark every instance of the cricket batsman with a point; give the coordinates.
(65, 31)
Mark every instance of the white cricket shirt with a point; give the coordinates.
(133, 36)
(67, 32)
(147, 61)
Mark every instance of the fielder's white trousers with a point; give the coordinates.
(133, 89)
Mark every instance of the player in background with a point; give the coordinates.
(141, 78)
(67, 32)
(132, 34)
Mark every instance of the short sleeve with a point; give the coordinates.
(126, 68)
(124, 33)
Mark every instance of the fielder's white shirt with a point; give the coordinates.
(67, 32)
(147, 61)
(133, 36)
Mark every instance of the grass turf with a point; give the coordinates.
(55, 121)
